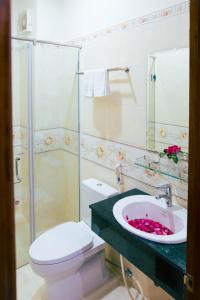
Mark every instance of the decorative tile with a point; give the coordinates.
(70, 140)
(20, 138)
(178, 9)
(165, 134)
(108, 154)
(101, 151)
(47, 140)
(56, 139)
(17, 136)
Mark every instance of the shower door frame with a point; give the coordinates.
(31, 145)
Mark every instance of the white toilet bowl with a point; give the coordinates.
(70, 258)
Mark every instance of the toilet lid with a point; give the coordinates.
(60, 244)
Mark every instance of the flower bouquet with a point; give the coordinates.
(172, 152)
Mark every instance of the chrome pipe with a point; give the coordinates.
(35, 41)
(126, 69)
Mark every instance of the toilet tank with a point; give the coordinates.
(92, 191)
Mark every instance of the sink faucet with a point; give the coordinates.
(167, 189)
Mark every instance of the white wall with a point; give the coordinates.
(50, 20)
(124, 111)
(91, 15)
(65, 20)
(55, 87)
(18, 7)
(68, 19)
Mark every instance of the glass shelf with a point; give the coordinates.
(165, 166)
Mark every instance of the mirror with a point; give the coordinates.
(168, 99)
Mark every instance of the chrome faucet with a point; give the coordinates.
(167, 189)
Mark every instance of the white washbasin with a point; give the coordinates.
(148, 207)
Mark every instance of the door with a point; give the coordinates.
(193, 261)
(7, 237)
(20, 98)
(56, 135)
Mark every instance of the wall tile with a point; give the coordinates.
(114, 153)
(130, 24)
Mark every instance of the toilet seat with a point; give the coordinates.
(60, 244)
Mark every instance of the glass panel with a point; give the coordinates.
(166, 166)
(56, 137)
(20, 148)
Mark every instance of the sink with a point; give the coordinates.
(149, 208)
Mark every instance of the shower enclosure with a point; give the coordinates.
(45, 138)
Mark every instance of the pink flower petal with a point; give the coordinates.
(149, 226)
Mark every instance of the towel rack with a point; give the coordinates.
(126, 69)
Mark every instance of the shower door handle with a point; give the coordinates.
(17, 160)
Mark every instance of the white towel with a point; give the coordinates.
(96, 83)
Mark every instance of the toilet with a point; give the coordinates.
(70, 257)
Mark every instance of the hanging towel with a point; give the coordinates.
(96, 83)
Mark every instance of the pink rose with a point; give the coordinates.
(173, 149)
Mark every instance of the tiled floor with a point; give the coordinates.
(29, 287)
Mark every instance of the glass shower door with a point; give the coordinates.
(56, 136)
(20, 68)
(46, 139)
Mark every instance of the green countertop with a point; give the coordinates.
(163, 263)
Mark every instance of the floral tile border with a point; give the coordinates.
(100, 151)
(171, 11)
(164, 134)
(108, 154)
(56, 139)
(70, 141)
(20, 136)
(48, 139)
